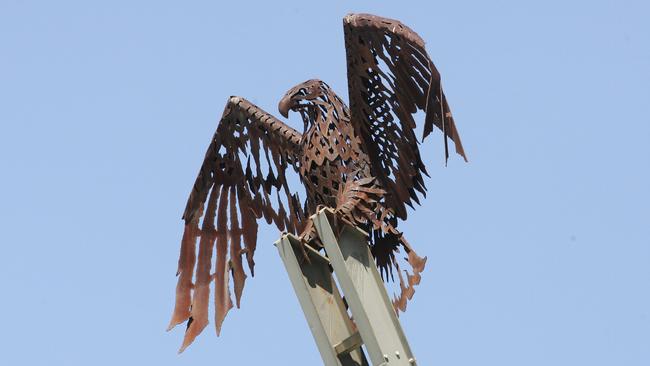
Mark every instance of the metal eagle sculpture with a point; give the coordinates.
(362, 161)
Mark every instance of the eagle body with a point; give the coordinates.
(361, 159)
(336, 171)
(332, 153)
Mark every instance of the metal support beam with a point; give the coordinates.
(375, 324)
(373, 312)
(321, 303)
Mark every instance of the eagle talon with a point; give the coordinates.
(309, 233)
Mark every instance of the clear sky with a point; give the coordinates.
(539, 248)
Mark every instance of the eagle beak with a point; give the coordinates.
(284, 106)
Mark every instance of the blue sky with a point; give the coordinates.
(539, 248)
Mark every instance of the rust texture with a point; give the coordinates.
(363, 161)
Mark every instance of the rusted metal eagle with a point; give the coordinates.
(362, 160)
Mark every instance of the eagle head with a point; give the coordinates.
(309, 98)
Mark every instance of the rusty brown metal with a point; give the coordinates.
(362, 161)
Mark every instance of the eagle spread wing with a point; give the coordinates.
(239, 188)
(391, 77)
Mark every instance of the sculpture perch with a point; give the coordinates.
(363, 161)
